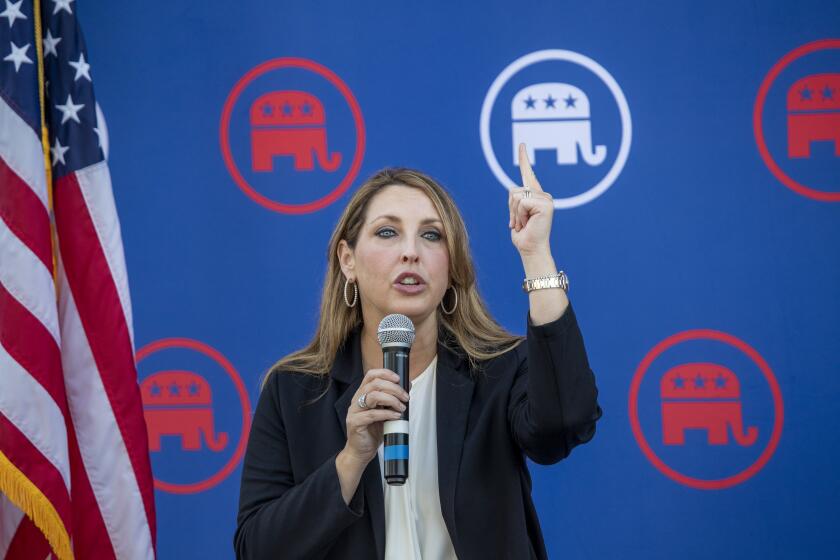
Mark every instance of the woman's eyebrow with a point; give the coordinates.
(393, 218)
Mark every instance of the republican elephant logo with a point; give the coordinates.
(179, 403)
(813, 105)
(290, 123)
(554, 116)
(703, 396)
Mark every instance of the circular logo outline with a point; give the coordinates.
(215, 355)
(581, 60)
(758, 113)
(224, 134)
(764, 367)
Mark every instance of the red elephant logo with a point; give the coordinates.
(290, 123)
(179, 403)
(703, 396)
(813, 105)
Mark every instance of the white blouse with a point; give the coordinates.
(414, 526)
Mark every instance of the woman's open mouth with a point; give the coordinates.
(409, 283)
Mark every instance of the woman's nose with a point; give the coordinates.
(409, 251)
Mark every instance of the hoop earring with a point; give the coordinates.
(454, 307)
(355, 293)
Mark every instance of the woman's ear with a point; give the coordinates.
(346, 259)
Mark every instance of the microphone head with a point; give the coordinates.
(396, 329)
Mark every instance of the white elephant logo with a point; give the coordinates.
(554, 116)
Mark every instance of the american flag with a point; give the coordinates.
(75, 476)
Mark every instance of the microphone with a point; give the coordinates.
(396, 335)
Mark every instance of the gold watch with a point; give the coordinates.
(559, 280)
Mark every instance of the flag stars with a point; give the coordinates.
(679, 382)
(570, 101)
(12, 12)
(549, 102)
(18, 55)
(699, 381)
(287, 109)
(828, 93)
(306, 109)
(805, 93)
(720, 381)
(267, 110)
(82, 68)
(174, 389)
(154, 390)
(529, 103)
(58, 152)
(50, 43)
(193, 388)
(62, 5)
(69, 111)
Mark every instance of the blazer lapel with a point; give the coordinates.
(347, 371)
(454, 395)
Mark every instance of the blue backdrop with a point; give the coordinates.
(705, 234)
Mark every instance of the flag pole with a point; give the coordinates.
(45, 136)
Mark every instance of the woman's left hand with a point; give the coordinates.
(530, 218)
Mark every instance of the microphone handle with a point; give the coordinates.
(395, 449)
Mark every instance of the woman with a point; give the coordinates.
(481, 401)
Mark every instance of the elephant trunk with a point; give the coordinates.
(744, 439)
(330, 163)
(596, 157)
(591, 156)
(217, 442)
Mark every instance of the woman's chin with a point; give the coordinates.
(414, 309)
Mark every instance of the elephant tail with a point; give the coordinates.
(331, 163)
(595, 158)
(748, 438)
(217, 443)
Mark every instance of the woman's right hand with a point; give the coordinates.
(385, 401)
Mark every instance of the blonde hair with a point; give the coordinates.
(471, 326)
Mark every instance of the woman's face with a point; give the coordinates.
(402, 234)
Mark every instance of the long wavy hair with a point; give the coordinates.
(471, 327)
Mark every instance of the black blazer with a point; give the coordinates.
(538, 400)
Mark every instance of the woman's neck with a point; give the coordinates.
(422, 353)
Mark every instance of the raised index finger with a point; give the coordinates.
(529, 179)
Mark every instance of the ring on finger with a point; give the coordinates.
(362, 402)
(526, 193)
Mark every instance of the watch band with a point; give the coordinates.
(559, 280)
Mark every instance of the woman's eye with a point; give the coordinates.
(432, 235)
(384, 231)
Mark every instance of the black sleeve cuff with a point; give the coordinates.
(555, 328)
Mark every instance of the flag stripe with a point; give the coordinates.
(100, 443)
(10, 518)
(90, 539)
(101, 315)
(24, 214)
(26, 278)
(95, 186)
(28, 542)
(21, 149)
(29, 344)
(40, 470)
(30, 408)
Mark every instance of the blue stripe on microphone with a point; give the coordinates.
(395, 452)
